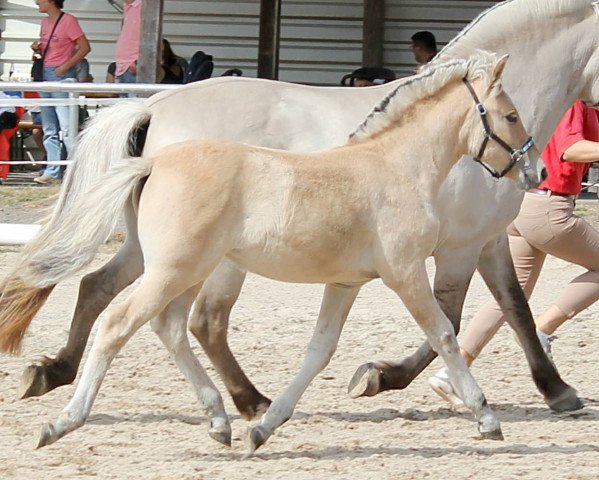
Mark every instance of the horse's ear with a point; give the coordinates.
(497, 72)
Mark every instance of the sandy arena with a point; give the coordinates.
(146, 423)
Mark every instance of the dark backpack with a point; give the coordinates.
(378, 75)
(200, 67)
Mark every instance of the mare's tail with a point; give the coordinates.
(95, 190)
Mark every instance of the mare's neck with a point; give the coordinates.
(543, 84)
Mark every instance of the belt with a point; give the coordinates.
(550, 193)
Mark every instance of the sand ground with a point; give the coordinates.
(146, 423)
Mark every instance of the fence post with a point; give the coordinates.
(73, 120)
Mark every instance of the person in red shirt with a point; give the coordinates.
(545, 225)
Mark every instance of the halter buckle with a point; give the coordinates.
(480, 108)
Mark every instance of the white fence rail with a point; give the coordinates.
(20, 234)
(76, 91)
(17, 234)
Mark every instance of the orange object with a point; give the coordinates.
(5, 136)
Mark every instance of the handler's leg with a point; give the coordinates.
(576, 242)
(527, 262)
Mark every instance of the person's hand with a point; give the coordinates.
(133, 68)
(61, 70)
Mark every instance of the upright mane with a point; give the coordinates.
(420, 87)
(512, 15)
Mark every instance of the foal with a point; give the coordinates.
(341, 217)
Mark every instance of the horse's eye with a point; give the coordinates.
(511, 117)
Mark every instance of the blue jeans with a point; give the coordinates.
(127, 77)
(55, 120)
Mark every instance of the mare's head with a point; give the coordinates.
(496, 137)
(590, 77)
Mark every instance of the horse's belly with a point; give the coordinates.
(303, 268)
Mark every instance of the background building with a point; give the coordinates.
(320, 40)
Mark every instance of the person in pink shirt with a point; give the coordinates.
(546, 225)
(62, 45)
(127, 45)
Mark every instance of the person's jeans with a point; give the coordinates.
(127, 77)
(54, 120)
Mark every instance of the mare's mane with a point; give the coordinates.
(422, 86)
(512, 15)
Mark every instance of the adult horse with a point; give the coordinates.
(297, 117)
(341, 217)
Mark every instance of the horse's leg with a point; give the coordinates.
(96, 291)
(335, 307)
(415, 292)
(170, 326)
(209, 322)
(120, 323)
(497, 269)
(454, 270)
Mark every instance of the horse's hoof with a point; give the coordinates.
(220, 433)
(365, 382)
(492, 435)
(256, 437)
(34, 382)
(566, 402)
(43, 377)
(48, 435)
(489, 428)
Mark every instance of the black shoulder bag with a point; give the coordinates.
(37, 69)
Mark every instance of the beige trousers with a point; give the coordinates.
(545, 225)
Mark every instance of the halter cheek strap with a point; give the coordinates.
(516, 154)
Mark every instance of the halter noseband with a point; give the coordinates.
(515, 154)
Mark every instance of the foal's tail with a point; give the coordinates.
(97, 186)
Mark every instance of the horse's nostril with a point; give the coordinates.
(544, 173)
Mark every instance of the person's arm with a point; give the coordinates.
(81, 50)
(583, 151)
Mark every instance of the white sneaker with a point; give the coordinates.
(442, 386)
